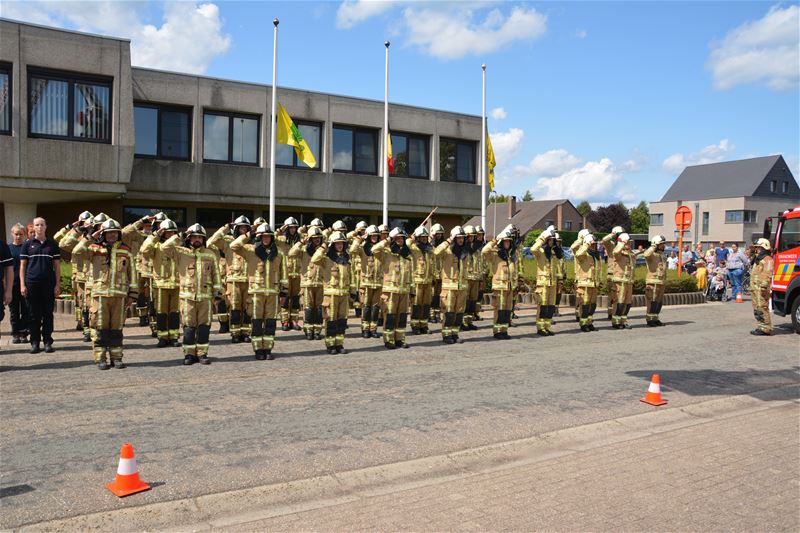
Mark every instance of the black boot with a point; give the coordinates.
(260, 356)
(87, 337)
(366, 334)
(162, 343)
(204, 360)
(284, 326)
(143, 321)
(35, 348)
(102, 365)
(269, 355)
(188, 360)
(389, 345)
(175, 343)
(224, 327)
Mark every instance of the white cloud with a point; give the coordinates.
(581, 34)
(713, 153)
(550, 163)
(354, 12)
(449, 32)
(764, 51)
(506, 144)
(189, 38)
(498, 113)
(595, 180)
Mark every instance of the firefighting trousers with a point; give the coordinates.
(143, 301)
(421, 305)
(503, 303)
(264, 310)
(313, 315)
(395, 316)
(239, 312)
(473, 291)
(653, 300)
(611, 289)
(760, 297)
(453, 304)
(335, 309)
(168, 313)
(371, 308)
(107, 318)
(196, 318)
(79, 290)
(546, 296)
(290, 304)
(586, 304)
(623, 305)
(436, 298)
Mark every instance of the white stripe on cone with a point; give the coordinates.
(126, 467)
(654, 387)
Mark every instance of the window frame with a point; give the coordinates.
(660, 220)
(297, 164)
(785, 187)
(166, 107)
(773, 186)
(232, 115)
(705, 222)
(744, 216)
(418, 136)
(71, 78)
(8, 69)
(354, 129)
(475, 163)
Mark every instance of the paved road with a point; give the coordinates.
(241, 423)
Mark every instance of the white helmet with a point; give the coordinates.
(264, 229)
(616, 230)
(383, 228)
(588, 239)
(291, 221)
(505, 235)
(437, 228)
(624, 237)
(317, 223)
(546, 234)
(421, 231)
(658, 239)
(339, 226)
(337, 236)
(361, 225)
(168, 225)
(551, 228)
(372, 230)
(557, 236)
(479, 230)
(458, 231)
(763, 243)
(470, 230)
(583, 233)
(397, 232)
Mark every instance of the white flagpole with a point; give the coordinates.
(484, 197)
(385, 140)
(273, 126)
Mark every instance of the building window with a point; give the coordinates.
(131, 214)
(740, 217)
(567, 225)
(410, 154)
(785, 187)
(5, 98)
(285, 155)
(355, 150)
(705, 222)
(230, 138)
(162, 132)
(70, 107)
(773, 185)
(656, 219)
(212, 219)
(457, 160)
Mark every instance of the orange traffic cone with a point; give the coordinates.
(127, 481)
(653, 396)
(739, 298)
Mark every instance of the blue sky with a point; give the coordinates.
(602, 101)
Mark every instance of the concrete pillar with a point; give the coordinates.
(22, 213)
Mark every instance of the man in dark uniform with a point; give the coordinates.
(40, 280)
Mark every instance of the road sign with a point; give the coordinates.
(683, 218)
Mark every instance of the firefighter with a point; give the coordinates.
(609, 242)
(371, 280)
(482, 267)
(198, 273)
(384, 229)
(355, 270)
(334, 263)
(455, 263)
(422, 292)
(290, 305)
(113, 277)
(310, 281)
(78, 276)
(395, 258)
(574, 248)
(587, 280)
(164, 284)
(561, 273)
(760, 281)
(544, 252)
(437, 232)
(235, 277)
(266, 274)
(622, 277)
(655, 280)
(500, 255)
(474, 279)
(134, 235)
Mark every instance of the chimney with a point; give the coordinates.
(512, 206)
(560, 216)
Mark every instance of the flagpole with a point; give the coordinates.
(483, 151)
(385, 140)
(273, 125)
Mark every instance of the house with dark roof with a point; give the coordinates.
(729, 201)
(529, 216)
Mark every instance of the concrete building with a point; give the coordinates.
(80, 128)
(729, 201)
(527, 216)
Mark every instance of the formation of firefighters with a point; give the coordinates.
(256, 279)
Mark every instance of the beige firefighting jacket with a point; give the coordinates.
(656, 266)
(587, 268)
(335, 276)
(369, 266)
(311, 275)
(454, 269)
(423, 263)
(263, 276)
(624, 263)
(397, 270)
(67, 240)
(165, 269)
(504, 271)
(237, 269)
(112, 271)
(546, 269)
(198, 269)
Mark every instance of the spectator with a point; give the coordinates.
(687, 256)
(672, 261)
(710, 259)
(20, 315)
(702, 275)
(6, 274)
(40, 283)
(698, 251)
(737, 263)
(721, 252)
(718, 287)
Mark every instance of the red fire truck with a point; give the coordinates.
(786, 254)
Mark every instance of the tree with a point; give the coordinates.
(640, 218)
(527, 197)
(584, 208)
(498, 198)
(603, 219)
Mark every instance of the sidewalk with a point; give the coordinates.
(737, 474)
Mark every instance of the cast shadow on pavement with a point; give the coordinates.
(766, 385)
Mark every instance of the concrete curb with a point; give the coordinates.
(227, 509)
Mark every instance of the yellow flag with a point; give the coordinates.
(289, 134)
(490, 160)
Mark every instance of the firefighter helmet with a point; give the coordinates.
(291, 221)
(339, 226)
(479, 230)
(168, 225)
(383, 228)
(763, 243)
(260, 220)
(397, 232)
(313, 232)
(437, 228)
(110, 225)
(658, 239)
(337, 236)
(583, 233)
(458, 231)
(316, 223)
(196, 229)
(372, 230)
(421, 231)
(264, 229)
(470, 230)
(361, 225)
(624, 237)
(588, 239)
(159, 217)
(83, 217)
(99, 218)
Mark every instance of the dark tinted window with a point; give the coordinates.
(410, 154)
(285, 155)
(5, 98)
(230, 138)
(355, 150)
(457, 160)
(213, 219)
(132, 214)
